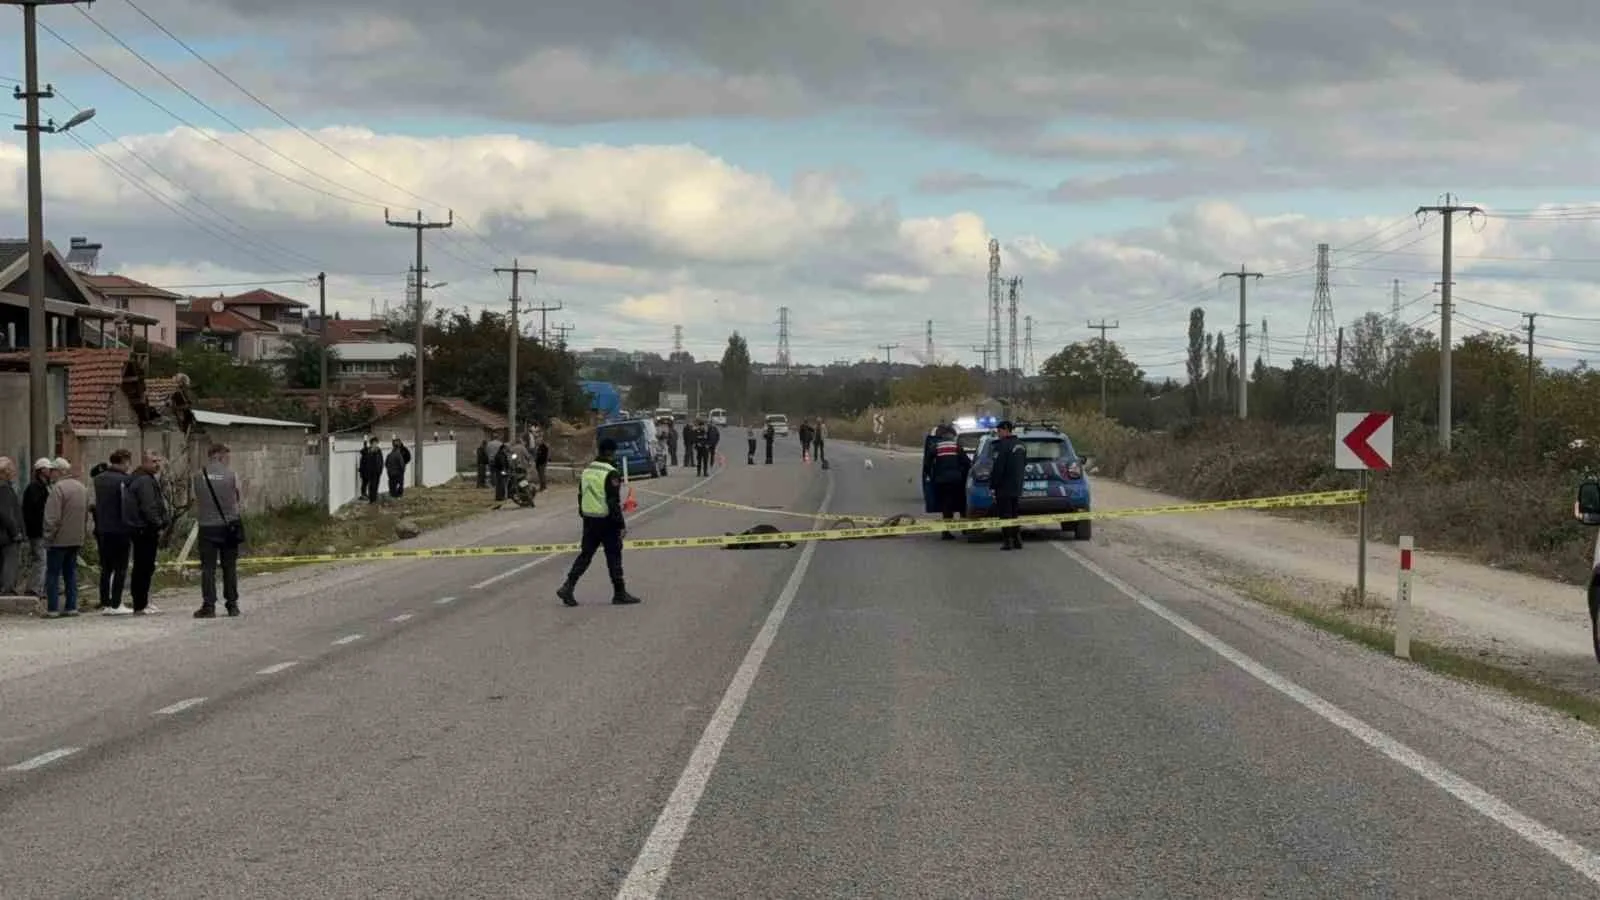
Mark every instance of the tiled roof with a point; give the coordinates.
(350, 330)
(225, 322)
(157, 391)
(487, 418)
(92, 377)
(121, 285)
(11, 251)
(260, 297)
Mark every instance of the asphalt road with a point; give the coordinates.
(888, 718)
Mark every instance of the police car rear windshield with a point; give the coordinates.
(621, 432)
(1045, 449)
(969, 442)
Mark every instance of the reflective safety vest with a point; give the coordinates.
(592, 490)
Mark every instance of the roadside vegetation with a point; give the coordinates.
(1501, 496)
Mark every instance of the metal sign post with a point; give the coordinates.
(1363, 442)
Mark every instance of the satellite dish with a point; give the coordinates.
(218, 306)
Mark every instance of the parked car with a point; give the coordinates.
(779, 423)
(719, 417)
(1054, 480)
(638, 448)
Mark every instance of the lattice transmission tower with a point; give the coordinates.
(928, 359)
(677, 340)
(992, 339)
(783, 336)
(1014, 294)
(1264, 352)
(1323, 330)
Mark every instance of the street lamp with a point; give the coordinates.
(40, 440)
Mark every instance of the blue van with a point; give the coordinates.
(637, 447)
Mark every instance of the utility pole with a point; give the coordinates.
(41, 437)
(322, 339)
(561, 336)
(1244, 374)
(1103, 328)
(888, 357)
(1338, 373)
(985, 351)
(544, 310)
(1448, 209)
(516, 270)
(417, 394)
(1527, 404)
(928, 349)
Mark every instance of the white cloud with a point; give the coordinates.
(634, 240)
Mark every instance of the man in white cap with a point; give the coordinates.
(33, 500)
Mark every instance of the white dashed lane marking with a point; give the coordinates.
(275, 668)
(180, 706)
(43, 759)
(444, 600)
(401, 618)
(347, 639)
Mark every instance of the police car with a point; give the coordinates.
(970, 431)
(1054, 480)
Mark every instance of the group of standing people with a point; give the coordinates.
(813, 436)
(497, 456)
(372, 465)
(126, 510)
(702, 439)
(945, 465)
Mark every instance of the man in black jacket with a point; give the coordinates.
(1005, 479)
(370, 467)
(111, 534)
(13, 537)
(946, 469)
(34, 497)
(145, 512)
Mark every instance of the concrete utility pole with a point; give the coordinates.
(985, 351)
(561, 335)
(516, 338)
(41, 436)
(1528, 403)
(322, 363)
(417, 395)
(1244, 375)
(1448, 209)
(1103, 328)
(544, 310)
(888, 357)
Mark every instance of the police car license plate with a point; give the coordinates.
(1031, 494)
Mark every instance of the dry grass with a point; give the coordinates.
(1511, 517)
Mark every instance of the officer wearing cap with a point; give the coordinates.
(1005, 479)
(600, 506)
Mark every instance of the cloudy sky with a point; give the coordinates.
(705, 162)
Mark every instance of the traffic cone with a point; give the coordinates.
(630, 504)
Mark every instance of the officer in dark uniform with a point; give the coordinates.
(1006, 478)
(770, 435)
(946, 469)
(600, 506)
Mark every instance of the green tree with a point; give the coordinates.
(1073, 374)
(214, 374)
(1196, 363)
(645, 392)
(300, 360)
(936, 384)
(467, 358)
(735, 371)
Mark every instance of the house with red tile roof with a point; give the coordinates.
(121, 293)
(251, 327)
(468, 422)
(73, 318)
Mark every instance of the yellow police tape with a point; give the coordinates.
(1286, 501)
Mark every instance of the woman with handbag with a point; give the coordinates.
(217, 497)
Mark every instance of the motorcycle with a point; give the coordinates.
(522, 490)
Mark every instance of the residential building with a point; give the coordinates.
(119, 292)
(73, 317)
(469, 424)
(253, 327)
(369, 366)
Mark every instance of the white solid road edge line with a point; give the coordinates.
(523, 567)
(654, 862)
(347, 639)
(43, 759)
(180, 706)
(275, 668)
(1578, 857)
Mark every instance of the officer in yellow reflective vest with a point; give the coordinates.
(600, 506)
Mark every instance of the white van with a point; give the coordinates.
(779, 423)
(719, 417)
